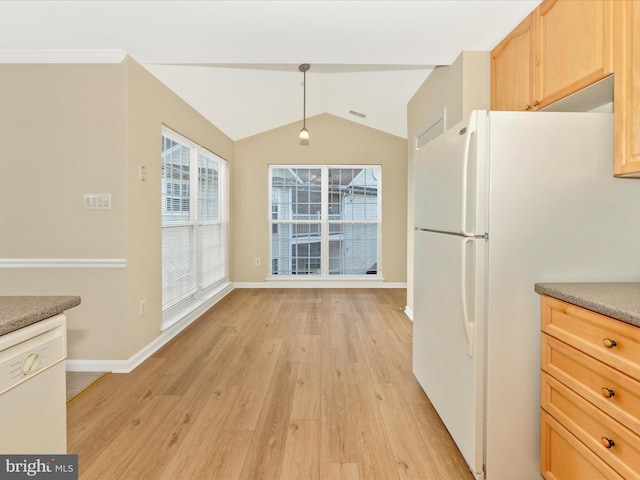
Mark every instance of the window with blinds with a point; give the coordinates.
(325, 220)
(193, 224)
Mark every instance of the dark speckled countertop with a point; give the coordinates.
(617, 300)
(18, 312)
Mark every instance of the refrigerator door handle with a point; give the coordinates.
(469, 131)
(467, 324)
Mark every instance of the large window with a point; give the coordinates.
(325, 220)
(194, 257)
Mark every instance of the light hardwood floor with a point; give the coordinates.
(271, 384)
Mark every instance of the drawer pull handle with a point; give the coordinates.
(607, 442)
(607, 392)
(607, 342)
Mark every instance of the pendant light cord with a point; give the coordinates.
(304, 133)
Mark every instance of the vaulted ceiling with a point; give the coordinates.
(236, 62)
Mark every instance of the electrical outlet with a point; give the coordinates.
(142, 307)
(142, 173)
(257, 261)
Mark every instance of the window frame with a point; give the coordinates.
(219, 200)
(325, 225)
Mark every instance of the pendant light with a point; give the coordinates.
(304, 133)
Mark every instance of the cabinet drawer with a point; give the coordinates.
(615, 393)
(592, 427)
(611, 341)
(564, 457)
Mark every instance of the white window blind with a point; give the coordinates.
(193, 223)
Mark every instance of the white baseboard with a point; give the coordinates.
(116, 366)
(320, 284)
(409, 313)
(127, 366)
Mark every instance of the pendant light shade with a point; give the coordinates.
(304, 133)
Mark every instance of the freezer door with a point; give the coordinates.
(446, 181)
(448, 349)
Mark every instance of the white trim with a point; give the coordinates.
(63, 262)
(324, 222)
(197, 306)
(292, 283)
(329, 279)
(127, 366)
(62, 56)
(408, 312)
(432, 130)
(189, 293)
(94, 365)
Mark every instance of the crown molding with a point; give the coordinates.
(62, 56)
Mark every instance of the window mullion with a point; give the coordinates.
(194, 211)
(324, 222)
(353, 192)
(378, 178)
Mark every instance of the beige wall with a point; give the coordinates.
(151, 105)
(64, 129)
(333, 141)
(60, 140)
(75, 129)
(459, 88)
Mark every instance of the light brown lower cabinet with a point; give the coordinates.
(590, 392)
(563, 456)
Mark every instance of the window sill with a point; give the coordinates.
(355, 281)
(195, 307)
(318, 278)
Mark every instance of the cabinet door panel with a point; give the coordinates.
(588, 377)
(627, 88)
(574, 47)
(611, 341)
(511, 69)
(564, 457)
(592, 427)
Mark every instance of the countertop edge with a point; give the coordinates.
(17, 312)
(620, 301)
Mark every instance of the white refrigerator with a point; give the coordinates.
(502, 201)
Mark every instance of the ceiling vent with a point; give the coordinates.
(357, 114)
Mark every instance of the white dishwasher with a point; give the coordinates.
(33, 411)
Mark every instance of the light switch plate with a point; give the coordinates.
(97, 201)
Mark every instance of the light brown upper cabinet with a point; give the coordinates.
(574, 47)
(512, 69)
(561, 47)
(627, 91)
